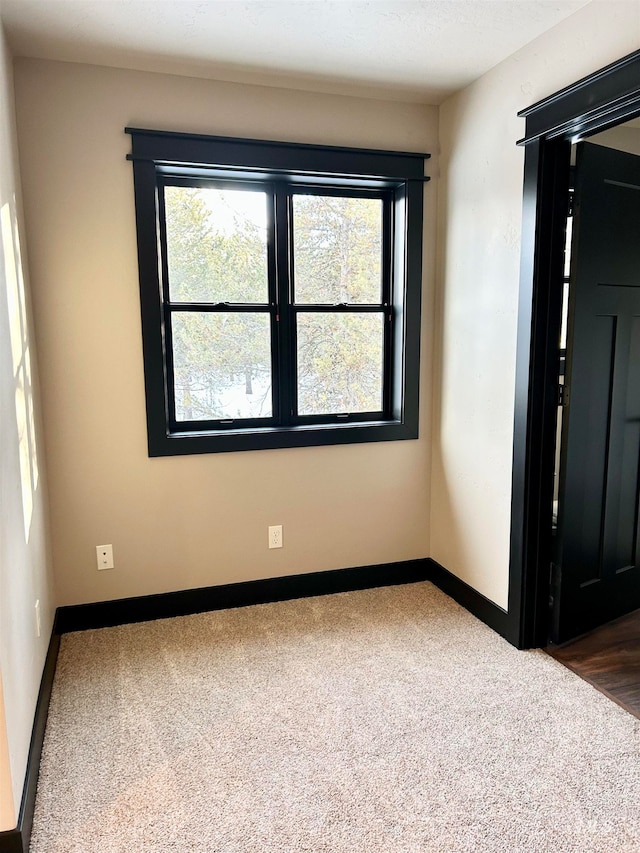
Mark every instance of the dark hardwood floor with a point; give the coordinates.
(608, 658)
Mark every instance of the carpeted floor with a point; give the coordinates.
(382, 721)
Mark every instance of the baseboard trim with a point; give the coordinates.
(103, 614)
(17, 840)
(478, 605)
(11, 841)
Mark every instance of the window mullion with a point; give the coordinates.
(285, 316)
(388, 297)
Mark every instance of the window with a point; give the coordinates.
(280, 292)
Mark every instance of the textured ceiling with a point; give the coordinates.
(409, 50)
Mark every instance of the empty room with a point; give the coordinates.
(319, 426)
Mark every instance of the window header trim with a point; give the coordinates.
(167, 148)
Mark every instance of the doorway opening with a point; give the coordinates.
(600, 535)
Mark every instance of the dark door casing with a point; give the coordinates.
(608, 97)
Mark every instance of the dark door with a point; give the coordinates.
(597, 552)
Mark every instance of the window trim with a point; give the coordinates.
(157, 155)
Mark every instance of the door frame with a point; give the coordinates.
(606, 98)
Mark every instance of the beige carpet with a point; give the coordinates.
(383, 721)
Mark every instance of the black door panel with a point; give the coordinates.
(597, 548)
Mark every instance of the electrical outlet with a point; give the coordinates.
(275, 536)
(104, 555)
(38, 618)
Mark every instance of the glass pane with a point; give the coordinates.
(337, 249)
(340, 367)
(216, 244)
(222, 365)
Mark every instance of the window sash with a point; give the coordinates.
(283, 311)
(200, 424)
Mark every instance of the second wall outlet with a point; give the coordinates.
(275, 536)
(104, 555)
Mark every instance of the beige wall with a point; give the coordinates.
(479, 218)
(25, 573)
(185, 522)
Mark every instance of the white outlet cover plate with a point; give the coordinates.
(275, 536)
(104, 556)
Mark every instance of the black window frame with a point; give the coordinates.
(163, 158)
